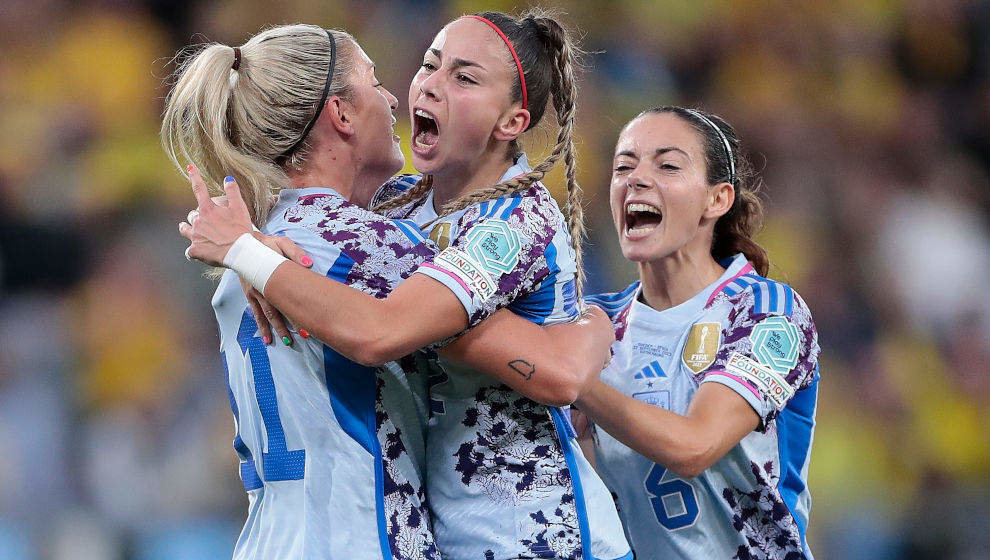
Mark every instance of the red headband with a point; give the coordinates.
(522, 77)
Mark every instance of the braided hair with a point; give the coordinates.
(549, 58)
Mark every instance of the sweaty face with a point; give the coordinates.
(374, 122)
(459, 94)
(659, 192)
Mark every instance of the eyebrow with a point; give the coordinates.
(658, 152)
(457, 62)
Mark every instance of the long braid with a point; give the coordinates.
(415, 193)
(565, 94)
(563, 101)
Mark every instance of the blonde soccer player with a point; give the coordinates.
(506, 478)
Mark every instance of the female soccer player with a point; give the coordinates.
(506, 479)
(707, 409)
(331, 452)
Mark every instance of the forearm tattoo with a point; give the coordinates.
(523, 368)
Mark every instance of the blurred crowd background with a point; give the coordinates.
(868, 118)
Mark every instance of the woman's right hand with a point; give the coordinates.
(590, 339)
(265, 314)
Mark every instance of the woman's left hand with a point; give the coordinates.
(212, 228)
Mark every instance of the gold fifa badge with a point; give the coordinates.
(440, 234)
(701, 346)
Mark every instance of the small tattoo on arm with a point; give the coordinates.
(523, 368)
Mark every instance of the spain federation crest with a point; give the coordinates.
(701, 346)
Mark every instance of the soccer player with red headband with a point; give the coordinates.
(505, 476)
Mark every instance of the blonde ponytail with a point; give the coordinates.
(241, 121)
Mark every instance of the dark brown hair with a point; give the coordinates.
(734, 231)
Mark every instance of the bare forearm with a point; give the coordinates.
(346, 319)
(522, 355)
(674, 441)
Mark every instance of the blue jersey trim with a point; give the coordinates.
(411, 230)
(794, 426)
(579, 504)
(539, 305)
(516, 199)
(767, 294)
(352, 390)
(341, 268)
(613, 303)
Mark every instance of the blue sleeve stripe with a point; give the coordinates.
(569, 293)
(341, 268)
(615, 300)
(483, 209)
(496, 204)
(758, 294)
(411, 232)
(789, 296)
(772, 304)
(512, 206)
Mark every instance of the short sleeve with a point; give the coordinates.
(503, 252)
(392, 188)
(354, 246)
(766, 357)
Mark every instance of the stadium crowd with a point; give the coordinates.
(870, 120)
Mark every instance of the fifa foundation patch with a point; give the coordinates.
(493, 245)
(768, 382)
(701, 346)
(458, 262)
(775, 343)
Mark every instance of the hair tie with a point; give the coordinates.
(725, 144)
(522, 76)
(323, 99)
(237, 59)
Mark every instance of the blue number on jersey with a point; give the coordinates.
(674, 487)
(279, 463)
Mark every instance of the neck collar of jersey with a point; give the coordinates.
(734, 266)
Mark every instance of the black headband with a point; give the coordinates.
(323, 99)
(725, 144)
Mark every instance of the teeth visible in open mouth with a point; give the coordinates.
(636, 207)
(428, 130)
(642, 217)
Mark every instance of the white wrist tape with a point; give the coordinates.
(252, 260)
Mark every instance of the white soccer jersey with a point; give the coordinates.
(332, 452)
(506, 478)
(755, 336)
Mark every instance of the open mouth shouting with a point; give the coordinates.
(426, 132)
(641, 219)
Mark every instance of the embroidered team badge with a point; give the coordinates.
(494, 245)
(775, 343)
(701, 346)
(492, 249)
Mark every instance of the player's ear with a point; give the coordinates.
(720, 199)
(511, 125)
(342, 114)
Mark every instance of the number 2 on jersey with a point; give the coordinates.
(279, 462)
(681, 515)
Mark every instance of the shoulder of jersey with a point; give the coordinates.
(768, 297)
(614, 302)
(394, 187)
